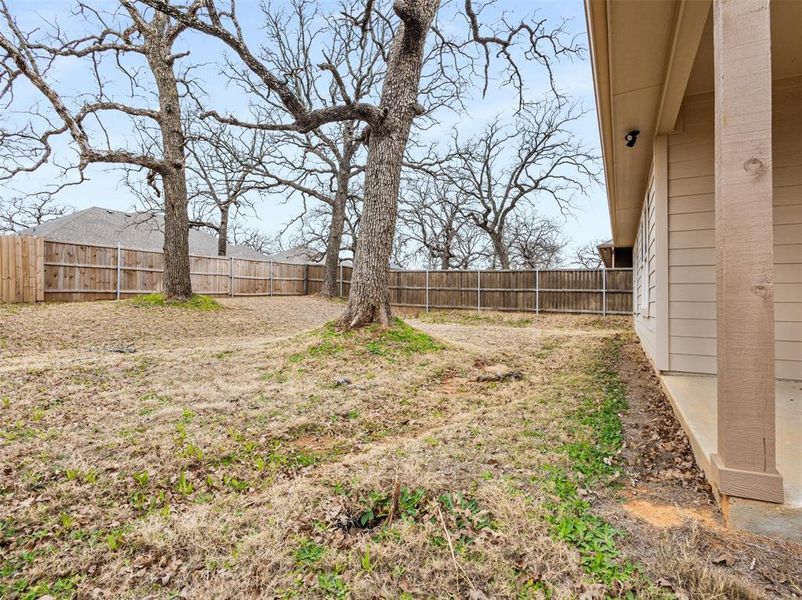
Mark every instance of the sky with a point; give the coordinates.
(589, 221)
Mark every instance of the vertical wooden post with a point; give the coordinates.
(40, 269)
(744, 465)
(478, 290)
(119, 269)
(19, 268)
(427, 290)
(604, 292)
(231, 276)
(271, 278)
(306, 279)
(341, 280)
(537, 291)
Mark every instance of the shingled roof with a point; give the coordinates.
(135, 230)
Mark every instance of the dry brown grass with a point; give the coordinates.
(265, 439)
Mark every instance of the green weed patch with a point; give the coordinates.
(197, 302)
(592, 459)
(395, 341)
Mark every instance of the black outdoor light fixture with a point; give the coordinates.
(631, 137)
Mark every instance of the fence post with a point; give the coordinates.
(306, 279)
(427, 290)
(231, 276)
(271, 277)
(341, 280)
(537, 291)
(478, 290)
(119, 269)
(604, 292)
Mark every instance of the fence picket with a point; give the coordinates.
(77, 272)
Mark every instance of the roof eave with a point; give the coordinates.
(596, 17)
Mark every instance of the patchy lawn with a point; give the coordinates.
(255, 451)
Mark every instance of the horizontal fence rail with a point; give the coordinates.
(80, 272)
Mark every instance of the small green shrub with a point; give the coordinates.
(379, 504)
(114, 540)
(309, 552)
(183, 486)
(333, 585)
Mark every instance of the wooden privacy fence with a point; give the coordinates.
(21, 269)
(78, 272)
(601, 291)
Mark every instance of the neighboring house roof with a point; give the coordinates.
(605, 250)
(299, 255)
(135, 230)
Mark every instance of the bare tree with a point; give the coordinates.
(587, 255)
(117, 42)
(434, 229)
(22, 212)
(242, 235)
(224, 175)
(533, 159)
(389, 121)
(314, 233)
(320, 165)
(534, 242)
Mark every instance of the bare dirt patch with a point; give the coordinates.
(254, 452)
(100, 325)
(667, 499)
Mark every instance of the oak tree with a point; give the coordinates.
(416, 33)
(117, 48)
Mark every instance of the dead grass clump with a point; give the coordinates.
(689, 574)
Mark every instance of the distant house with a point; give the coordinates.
(700, 114)
(134, 230)
(613, 257)
(298, 255)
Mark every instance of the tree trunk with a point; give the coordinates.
(222, 233)
(334, 241)
(502, 255)
(446, 256)
(369, 299)
(177, 283)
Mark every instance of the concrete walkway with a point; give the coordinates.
(694, 400)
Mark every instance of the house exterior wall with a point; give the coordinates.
(644, 268)
(691, 234)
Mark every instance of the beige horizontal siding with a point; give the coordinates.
(691, 204)
(705, 328)
(691, 310)
(646, 323)
(787, 164)
(788, 331)
(691, 237)
(787, 369)
(692, 274)
(692, 364)
(691, 257)
(695, 345)
(788, 311)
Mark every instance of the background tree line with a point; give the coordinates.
(339, 106)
